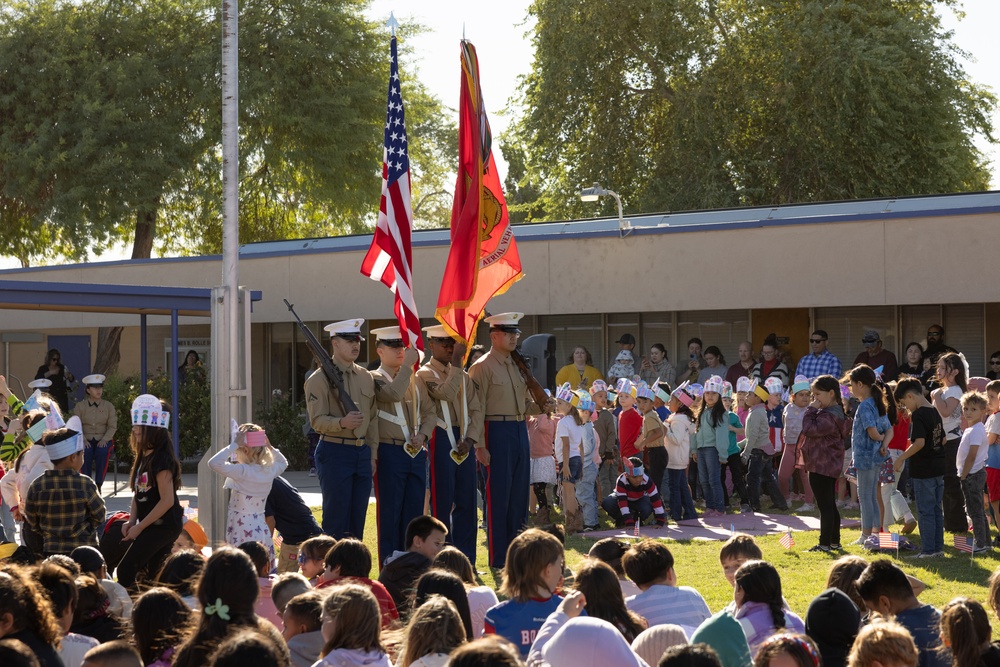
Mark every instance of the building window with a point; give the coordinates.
(571, 331)
(847, 326)
(725, 329)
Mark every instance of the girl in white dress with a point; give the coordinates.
(249, 479)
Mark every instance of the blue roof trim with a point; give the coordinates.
(970, 203)
(138, 298)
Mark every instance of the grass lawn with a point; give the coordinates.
(803, 574)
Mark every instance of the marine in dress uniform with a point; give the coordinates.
(505, 454)
(405, 423)
(99, 423)
(348, 444)
(459, 429)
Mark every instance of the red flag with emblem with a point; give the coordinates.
(483, 260)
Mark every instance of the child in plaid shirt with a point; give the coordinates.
(64, 505)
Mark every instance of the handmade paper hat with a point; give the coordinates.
(437, 331)
(505, 322)
(682, 395)
(624, 357)
(642, 390)
(633, 466)
(43, 383)
(566, 393)
(625, 386)
(586, 402)
(759, 391)
(744, 384)
(70, 443)
(714, 383)
(661, 390)
(785, 396)
(695, 390)
(148, 411)
(196, 533)
(801, 384)
(94, 380)
(256, 438)
(727, 390)
(845, 392)
(612, 396)
(389, 336)
(345, 328)
(598, 385)
(774, 385)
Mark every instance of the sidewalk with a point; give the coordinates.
(120, 502)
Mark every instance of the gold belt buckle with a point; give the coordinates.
(359, 442)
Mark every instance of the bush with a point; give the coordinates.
(285, 423)
(194, 408)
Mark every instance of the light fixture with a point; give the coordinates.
(594, 193)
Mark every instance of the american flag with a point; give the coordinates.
(888, 541)
(635, 531)
(964, 543)
(787, 540)
(390, 257)
(278, 541)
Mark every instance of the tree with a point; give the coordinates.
(697, 104)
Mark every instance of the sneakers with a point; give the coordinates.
(982, 549)
(821, 548)
(836, 547)
(590, 529)
(934, 554)
(807, 507)
(860, 541)
(745, 509)
(871, 543)
(312, 472)
(909, 527)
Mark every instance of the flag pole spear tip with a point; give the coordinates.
(392, 23)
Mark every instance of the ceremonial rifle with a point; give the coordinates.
(535, 388)
(333, 374)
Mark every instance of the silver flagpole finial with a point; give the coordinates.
(392, 23)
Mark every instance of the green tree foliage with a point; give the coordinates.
(680, 104)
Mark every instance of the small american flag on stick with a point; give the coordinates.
(888, 541)
(964, 543)
(787, 540)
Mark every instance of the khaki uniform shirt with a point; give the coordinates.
(502, 390)
(99, 419)
(325, 410)
(446, 384)
(650, 423)
(413, 400)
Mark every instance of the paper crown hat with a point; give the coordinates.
(801, 384)
(633, 466)
(598, 385)
(69, 445)
(95, 379)
(43, 383)
(682, 395)
(744, 384)
(695, 389)
(148, 411)
(437, 331)
(566, 393)
(774, 385)
(727, 390)
(505, 322)
(586, 402)
(345, 328)
(714, 383)
(388, 334)
(661, 390)
(642, 390)
(625, 386)
(759, 391)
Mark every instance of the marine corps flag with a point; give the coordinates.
(483, 260)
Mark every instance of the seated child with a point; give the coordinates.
(287, 586)
(883, 644)
(636, 498)
(350, 560)
(302, 628)
(650, 565)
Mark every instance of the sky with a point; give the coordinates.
(500, 33)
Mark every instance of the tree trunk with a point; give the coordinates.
(109, 338)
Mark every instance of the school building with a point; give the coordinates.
(893, 265)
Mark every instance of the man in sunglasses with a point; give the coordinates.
(935, 344)
(820, 361)
(875, 355)
(348, 443)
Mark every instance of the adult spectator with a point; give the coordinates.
(580, 371)
(913, 360)
(770, 365)
(689, 367)
(875, 355)
(994, 370)
(60, 377)
(475, 352)
(191, 361)
(745, 365)
(656, 366)
(935, 344)
(715, 364)
(626, 342)
(819, 361)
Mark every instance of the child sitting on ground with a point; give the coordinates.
(635, 498)
(650, 565)
(349, 559)
(883, 644)
(302, 628)
(312, 553)
(735, 551)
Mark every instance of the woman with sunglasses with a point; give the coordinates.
(994, 370)
(60, 377)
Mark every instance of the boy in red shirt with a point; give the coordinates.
(629, 421)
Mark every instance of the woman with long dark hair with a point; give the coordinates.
(54, 371)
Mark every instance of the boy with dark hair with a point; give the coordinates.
(350, 559)
(425, 537)
(302, 628)
(64, 506)
(112, 654)
(927, 463)
(635, 497)
(738, 549)
(886, 591)
(651, 566)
